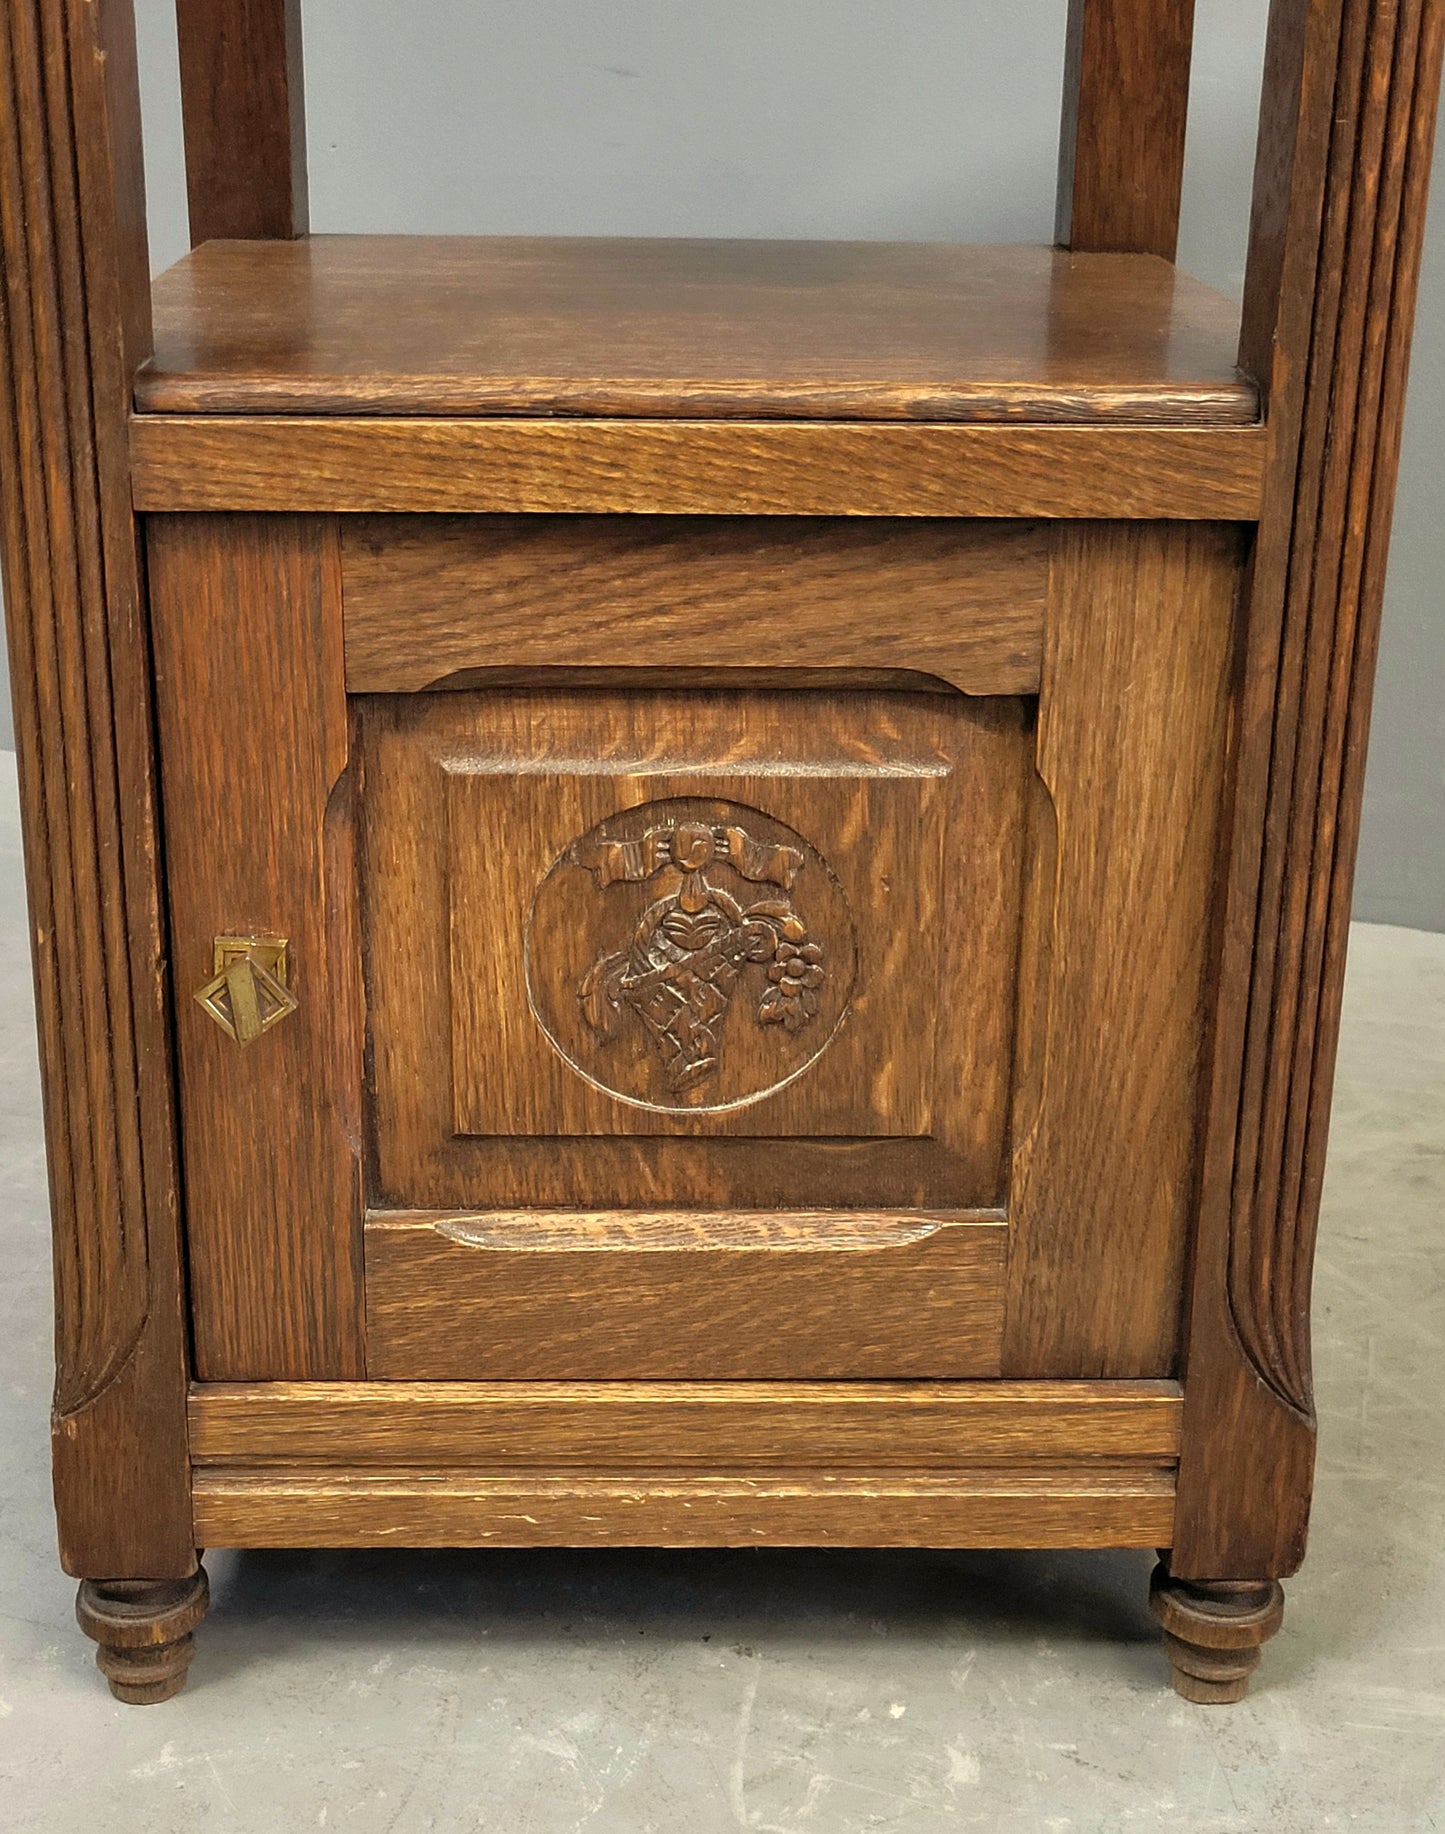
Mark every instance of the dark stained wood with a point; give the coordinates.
(458, 602)
(73, 320)
(516, 1425)
(474, 806)
(243, 109)
(1213, 1631)
(708, 330)
(1126, 105)
(1291, 156)
(692, 468)
(1124, 840)
(839, 1297)
(145, 1632)
(1084, 1506)
(254, 743)
(1346, 138)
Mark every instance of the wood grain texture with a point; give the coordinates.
(1132, 734)
(456, 602)
(73, 321)
(1126, 106)
(255, 749)
(1213, 1631)
(1291, 156)
(683, 468)
(1346, 142)
(462, 325)
(653, 1001)
(1084, 1507)
(516, 1425)
(145, 1632)
(443, 1305)
(491, 1092)
(244, 116)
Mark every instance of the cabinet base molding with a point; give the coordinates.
(1213, 1632)
(1081, 1507)
(145, 1632)
(684, 1464)
(789, 1426)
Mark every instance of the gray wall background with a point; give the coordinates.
(874, 118)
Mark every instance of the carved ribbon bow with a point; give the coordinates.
(692, 847)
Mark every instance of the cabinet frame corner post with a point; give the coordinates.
(1343, 165)
(75, 324)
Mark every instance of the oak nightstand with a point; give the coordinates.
(693, 893)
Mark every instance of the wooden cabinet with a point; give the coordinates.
(693, 893)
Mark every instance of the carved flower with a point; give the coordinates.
(796, 973)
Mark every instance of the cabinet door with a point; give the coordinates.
(689, 949)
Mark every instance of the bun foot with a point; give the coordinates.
(1213, 1630)
(144, 1631)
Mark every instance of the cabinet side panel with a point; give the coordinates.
(74, 319)
(1133, 725)
(254, 751)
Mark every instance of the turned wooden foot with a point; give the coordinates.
(1213, 1630)
(144, 1631)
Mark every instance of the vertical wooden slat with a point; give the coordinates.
(1132, 727)
(1339, 215)
(76, 320)
(246, 616)
(1126, 105)
(243, 106)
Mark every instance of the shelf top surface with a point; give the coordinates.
(703, 330)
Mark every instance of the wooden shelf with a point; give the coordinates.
(691, 330)
(396, 373)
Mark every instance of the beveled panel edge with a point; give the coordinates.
(697, 1231)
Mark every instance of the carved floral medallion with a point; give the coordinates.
(719, 955)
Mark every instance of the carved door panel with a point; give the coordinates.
(740, 960)
(689, 1022)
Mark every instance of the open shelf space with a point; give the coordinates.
(697, 330)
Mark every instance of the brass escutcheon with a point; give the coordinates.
(249, 994)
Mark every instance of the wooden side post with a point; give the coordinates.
(243, 108)
(1126, 104)
(74, 321)
(1344, 156)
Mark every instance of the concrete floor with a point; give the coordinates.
(822, 1693)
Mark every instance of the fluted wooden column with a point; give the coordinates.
(1344, 157)
(76, 321)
